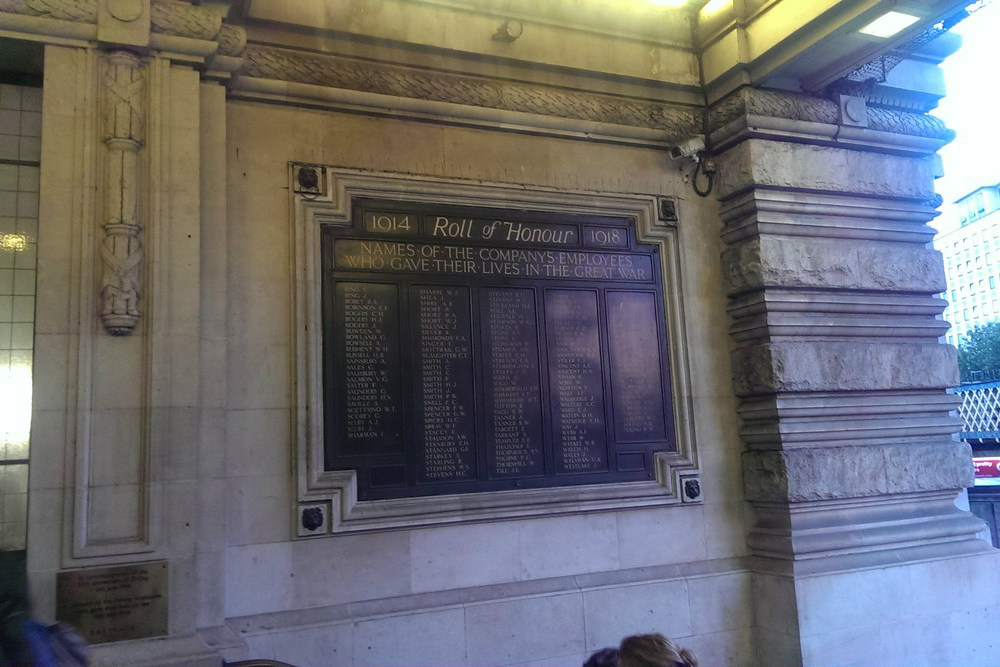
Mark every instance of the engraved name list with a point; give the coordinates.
(472, 349)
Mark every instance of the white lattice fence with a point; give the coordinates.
(980, 409)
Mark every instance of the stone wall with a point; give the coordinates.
(488, 593)
(168, 415)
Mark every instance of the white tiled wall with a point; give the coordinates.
(20, 137)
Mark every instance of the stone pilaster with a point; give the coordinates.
(126, 443)
(850, 460)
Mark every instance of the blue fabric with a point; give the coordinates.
(40, 643)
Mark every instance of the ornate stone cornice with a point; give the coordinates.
(174, 17)
(799, 107)
(184, 20)
(338, 72)
(64, 10)
(167, 17)
(905, 122)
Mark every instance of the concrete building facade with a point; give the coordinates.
(195, 157)
(969, 249)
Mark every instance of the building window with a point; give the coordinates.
(20, 137)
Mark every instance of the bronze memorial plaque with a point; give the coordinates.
(115, 603)
(475, 349)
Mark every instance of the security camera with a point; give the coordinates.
(690, 147)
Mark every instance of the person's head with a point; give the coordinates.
(653, 650)
(606, 657)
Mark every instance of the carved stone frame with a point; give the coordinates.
(327, 500)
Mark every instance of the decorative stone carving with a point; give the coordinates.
(124, 93)
(65, 10)
(125, 10)
(912, 101)
(337, 72)
(179, 18)
(904, 122)
(795, 106)
(172, 17)
(168, 17)
(232, 40)
(779, 104)
(312, 518)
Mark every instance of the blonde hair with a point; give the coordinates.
(653, 650)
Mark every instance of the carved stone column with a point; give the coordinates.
(124, 92)
(850, 460)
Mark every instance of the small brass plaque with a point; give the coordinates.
(116, 603)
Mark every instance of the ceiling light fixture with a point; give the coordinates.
(713, 6)
(889, 24)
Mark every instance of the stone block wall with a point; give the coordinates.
(512, 592)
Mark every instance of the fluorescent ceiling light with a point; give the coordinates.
(713, 6)
(889, 24)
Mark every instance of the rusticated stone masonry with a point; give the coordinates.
(832, 287)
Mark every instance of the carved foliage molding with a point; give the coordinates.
(123, 88)
(336, 72)
(795, 106)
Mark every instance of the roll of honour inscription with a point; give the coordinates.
(470, 349)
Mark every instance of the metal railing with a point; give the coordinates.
(980, 410)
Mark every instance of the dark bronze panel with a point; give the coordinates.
(576, 380)
(632, 461)
(637, 386)
(445, 411)
(111, 604)
(605, 237)
(500, 231)
(490, 262)
(514, 437)
(368, 363)
(471, 349)
(396, 223)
